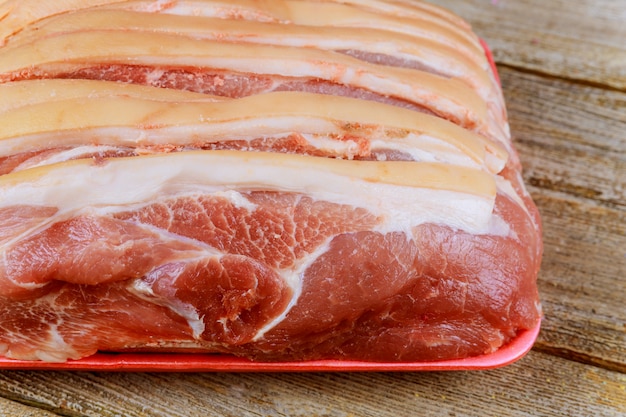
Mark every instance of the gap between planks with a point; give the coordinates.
(560, 77)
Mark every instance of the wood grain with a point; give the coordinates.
(572, 141)
(581, 40)
(538, 385)
(10, 408)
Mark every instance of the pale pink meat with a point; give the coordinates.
(229, 84)
(282, 229)
(440, 296)
(18, 218)
(201, 81)
(436, 291)
(384, 59)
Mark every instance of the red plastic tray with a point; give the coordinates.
(183, 362)
(195, 362)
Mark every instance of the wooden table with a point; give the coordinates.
(563, 67)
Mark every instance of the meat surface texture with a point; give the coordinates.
(279, 180)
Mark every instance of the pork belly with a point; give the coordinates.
(278, 180)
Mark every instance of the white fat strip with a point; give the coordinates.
(449, 97)
(400, 46)
(421, 147)
(425, 148)
(328, 14)
(129, 181)
(64, 155)
(175, 135)
(136, 122)
(223, 10)
(349, 148)
(498, 227)
(294, 277)
(236, 199)
(143, 290)
(505, 187)
(24, 93)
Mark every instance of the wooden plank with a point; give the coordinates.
(537, 385)
(573, 146)
(10, 408)
(580, 283)
(582, 40)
